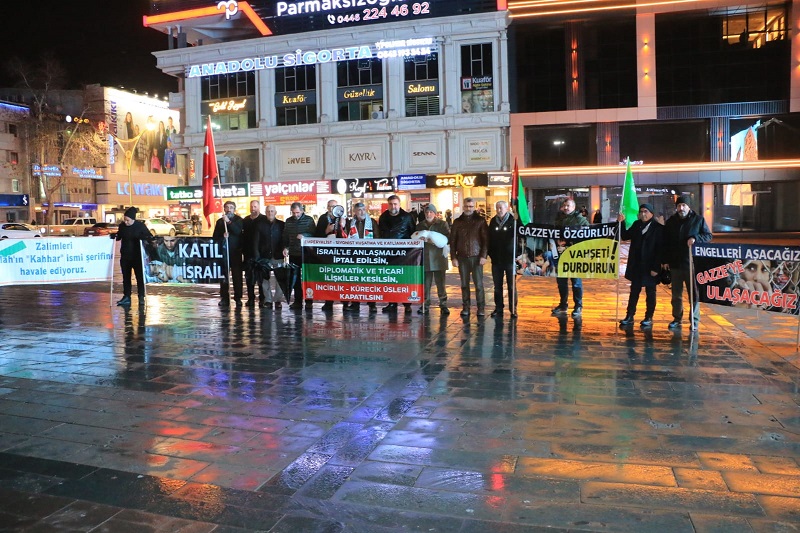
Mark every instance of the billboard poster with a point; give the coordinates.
(55, 260)
(570, 252)
(368, 270)
(183, 260)
(749, 276)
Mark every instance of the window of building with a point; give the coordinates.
(757, 206)
(230, 100)
(540, 68)
(295, 95)
(477, 78)
(738, 55)
(685, 141)
(12, 129)
(360, 89)
(609, 57)
(14, 185)
(12, 157)
(238, 166)
(422, 85)
(558, 146)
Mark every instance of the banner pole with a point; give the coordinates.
(111, 283)
(691, 289)
(512, 304)
(619, 265)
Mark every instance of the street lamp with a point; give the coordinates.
(129, 155)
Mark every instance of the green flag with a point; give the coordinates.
(518, 199)
(630, 203)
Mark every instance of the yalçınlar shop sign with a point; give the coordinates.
(380, 50)
(369, 270)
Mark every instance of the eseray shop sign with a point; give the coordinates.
(382, 49)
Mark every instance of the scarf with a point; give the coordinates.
(368, 233)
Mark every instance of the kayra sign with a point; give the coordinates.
(381, 49)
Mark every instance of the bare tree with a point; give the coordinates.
(53, 142)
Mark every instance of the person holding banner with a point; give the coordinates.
(361, 226)
(396, 223)
(502, 229)
(644, 262)
(469, 241)
(569, 217)
(298, 225)
(681, 231)
(228, 231)
(434, 258)
(131, 234)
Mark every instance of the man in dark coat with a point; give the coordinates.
(644, 262)
(681, 231)
(434, 259)
(298, 225)
(249, 243)
(327, 225)
(131, 234)
(469, 243)
(396, 223)
(502, 228)
(228, 235)
(268, 246)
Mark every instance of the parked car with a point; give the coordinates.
(72, 227)
(18, 230)
(183, 227)
(159, 228)
(101, 228)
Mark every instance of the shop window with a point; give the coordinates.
(477, 78)
(360, 89)
(756, 207)
(553, 146)
(295, 95)
(685, 141)
(230, 100)
(422, 85)
(238, 166)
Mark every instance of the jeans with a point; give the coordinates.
(563, 291)
(680, 279)
(500, 270)
(430, 276)
(471, 266)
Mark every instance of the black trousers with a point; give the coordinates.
(633, 299)
(132, 265)
(236, 272)
(298, 283)
(499, 271)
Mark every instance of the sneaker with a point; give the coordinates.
(465, 311)
(560, 310)
(675, 324)
(125, 301)
(481, 312)
(647, 322)
(627, 321)
(445, 310)
(577, 312)
(496, 313)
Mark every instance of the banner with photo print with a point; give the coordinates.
(751, 276)
(183, 260)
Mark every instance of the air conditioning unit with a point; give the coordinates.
(377, 115)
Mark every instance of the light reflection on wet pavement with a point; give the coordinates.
(179, 417)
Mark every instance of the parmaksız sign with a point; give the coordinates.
(54, 260)
(369, 270)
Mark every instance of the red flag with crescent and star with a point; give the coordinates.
(210, 172)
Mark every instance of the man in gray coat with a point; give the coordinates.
(435, 259)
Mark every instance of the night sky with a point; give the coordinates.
(96, 41)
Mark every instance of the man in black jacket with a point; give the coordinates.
(644, 262)
(228, 235)
(396, 223)
(268, 246)
(249, 243)
(297, 226)
(681, 231)
(502, 232)
(131, 234)
(328, 225)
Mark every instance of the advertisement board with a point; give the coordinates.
(55, 260)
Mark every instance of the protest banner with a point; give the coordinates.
(368, 270)
(183, 260)
(569, 252)
(54, 260)
(750, 276)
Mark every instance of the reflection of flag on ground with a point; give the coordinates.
(209, 172)
(520, 207)
(630, 203)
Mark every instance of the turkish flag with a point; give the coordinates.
(210, 173)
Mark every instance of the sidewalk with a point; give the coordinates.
(178, 416)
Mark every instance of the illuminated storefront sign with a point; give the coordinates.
(476, 84)
(422, 88)
(381, 49)
(140, 189)
(230, 105)
(184, 194)
(408, 182)
(295, 98)
(498, 179)
(287, 192)
(440, 181)
(195, 192)
(357, 187)
(54, 171)
(354, 94)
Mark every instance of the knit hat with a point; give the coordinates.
(649, 207)
(131, 212)
(431, 207)
(684, 199)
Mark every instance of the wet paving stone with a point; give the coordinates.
(179, 417)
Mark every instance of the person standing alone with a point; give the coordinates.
(131, 234)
